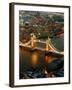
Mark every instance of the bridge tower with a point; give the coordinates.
(47, 44)
(33, 39)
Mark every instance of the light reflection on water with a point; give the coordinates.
(48, 59)
(34, 58)
(37, 60)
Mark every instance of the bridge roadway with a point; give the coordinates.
(53, 49)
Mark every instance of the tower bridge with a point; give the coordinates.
(49, 47)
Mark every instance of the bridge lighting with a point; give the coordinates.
(32, 42)
(47, 46)
(33, 38)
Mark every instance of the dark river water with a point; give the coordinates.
(37, 60)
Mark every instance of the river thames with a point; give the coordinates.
(35, 64)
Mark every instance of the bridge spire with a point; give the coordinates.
(47, 44)
(33, 38)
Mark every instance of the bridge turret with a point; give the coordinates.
(33, 38)
(47, 44)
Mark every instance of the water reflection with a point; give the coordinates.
(34, 58)
(48, 59)
(35, 64)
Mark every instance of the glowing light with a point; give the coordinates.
(47, 48)
(33, 39)
(34, 58)
(48, 59)
(32, 42)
